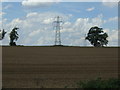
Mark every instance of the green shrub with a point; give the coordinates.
(99, 83)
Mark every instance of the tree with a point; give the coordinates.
(2, 34)
(13, 36)
(97, 37)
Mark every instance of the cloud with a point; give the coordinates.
(34, 33)
(7, 6)
(48, 21)
(38, 3)
(1, 19)
(113, 37)
(90, 9)
(110, 3)
(2, 13)
(75, 32)
(37, 29)
(113, 19)
(110, 0)
(34, 27)
(75, 10)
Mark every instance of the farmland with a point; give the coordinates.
(56, 67)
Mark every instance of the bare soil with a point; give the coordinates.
(56, 67)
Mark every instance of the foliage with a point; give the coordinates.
(99, 83)
(2, 35)
(97, 37)
(13, 36)
(66, 87)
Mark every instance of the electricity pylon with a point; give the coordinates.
(57, 27)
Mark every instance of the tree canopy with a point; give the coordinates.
(97, 37)
(2, 34)
(13, 36)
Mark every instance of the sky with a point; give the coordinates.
(35, 21)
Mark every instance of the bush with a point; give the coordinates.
(99, 83)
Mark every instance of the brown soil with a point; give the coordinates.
(56, 67)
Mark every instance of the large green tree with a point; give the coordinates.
(97, 37)
(13, 36)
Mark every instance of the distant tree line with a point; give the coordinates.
(95, 36)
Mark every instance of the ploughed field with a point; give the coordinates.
(56, 67)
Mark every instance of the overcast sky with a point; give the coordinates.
(35, 21)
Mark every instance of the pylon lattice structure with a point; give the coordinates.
(57, 27)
